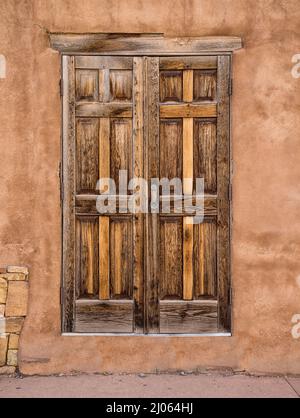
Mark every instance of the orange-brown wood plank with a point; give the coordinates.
(104, 256)
(188, 85)
(188, 258)
(188, 63)
(203, 110)
(104, 150)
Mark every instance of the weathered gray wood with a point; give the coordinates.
(141, 44)
(139, 104)
(138, 218)
(223, 176)
(193, 317)
(86, 204)
(103, 63)
(68, 203)
(151, 170)
(94, 316)
(106, 110)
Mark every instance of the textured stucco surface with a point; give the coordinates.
(266, 154)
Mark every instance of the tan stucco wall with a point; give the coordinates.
(266, 153)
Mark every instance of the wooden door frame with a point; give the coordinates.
(141, 44)
(69, 45)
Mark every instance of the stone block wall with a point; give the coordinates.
(13, 310)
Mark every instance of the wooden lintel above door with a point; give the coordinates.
(141, 44)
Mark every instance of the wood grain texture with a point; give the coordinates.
(188, 63)
(194, 317)
(121, 148)
(104, 62)
(88, 279)
(188, 155)
(205, 153)
(138, 219)
(103, 316)
(103, 110)
(160, 264)
(86, 204)
(188, 126)
(87, 85)
(104, 258)
(141, 44)
(188, 82)
(170, 148)
(87, 155)
(121, 280)
(205, 85)
(170, 89)
(188, 279)
(171, 258)
(223, 175)
(104, 150)
(204, 110)
(104, 86)
(68, 202)
(205, 260)
(151, 141)
(121, 85)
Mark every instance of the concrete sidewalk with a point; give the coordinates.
(153, 386)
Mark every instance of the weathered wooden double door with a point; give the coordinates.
(156, 117)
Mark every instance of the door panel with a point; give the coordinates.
(120, 258)
(205, 153)
(170, 148)
(104, 139)
(205, 85)
(87, 154)
(120, 147)
(156, 117)
(170, 86)
(87, 250)
(171, 262)
(193, 259)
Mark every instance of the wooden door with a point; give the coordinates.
(156, 117)
(188, 281)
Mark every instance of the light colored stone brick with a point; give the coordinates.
(13, 342)
(12, 358)
(17, 299)
(7, 370)
(12, 325)
(17, 269)
(2, 310)
(15, 276)
(3, 349)
(3, 290)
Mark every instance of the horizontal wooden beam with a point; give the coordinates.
(140, 44)
(86, 205)
(203, 110)
(102, 63)
(106, 110)
(188, 63)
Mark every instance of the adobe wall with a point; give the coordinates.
(266, 197)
